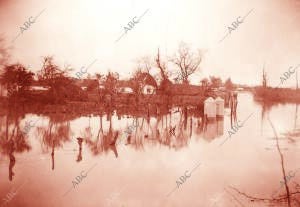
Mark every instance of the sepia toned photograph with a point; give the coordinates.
(167, 103)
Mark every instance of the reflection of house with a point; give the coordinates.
(220, 127)
(210, 130)
(213, 129)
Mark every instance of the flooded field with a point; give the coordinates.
(170, 161)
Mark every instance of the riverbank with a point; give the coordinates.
(276, 95)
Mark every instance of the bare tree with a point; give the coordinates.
(50, 71)
(165, 84)
(100, 78)
(162, 66)
(137, 83)
(67, 68)
(16, 78)
(187, 61)
(144, 63)
(264, 76)
(110, 83)
(3, 53)
(56, 79)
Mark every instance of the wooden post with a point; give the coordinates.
(296, 80)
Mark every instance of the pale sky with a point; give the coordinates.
(77, 32)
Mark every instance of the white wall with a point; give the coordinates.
(148, 89)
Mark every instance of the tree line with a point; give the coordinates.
(17, 79)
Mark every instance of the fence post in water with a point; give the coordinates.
(233, 106)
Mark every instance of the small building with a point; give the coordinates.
(127, 90)
(124, 86)
(148, 83)
(219, 107)
(210, 109)
(38, 88)
(84, 88)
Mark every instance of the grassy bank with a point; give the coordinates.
(276, 95)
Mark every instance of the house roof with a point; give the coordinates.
(148, 79)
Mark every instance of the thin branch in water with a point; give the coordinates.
(234, 198)
(252, 198)
(282, 164)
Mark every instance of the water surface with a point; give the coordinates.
(142, 168)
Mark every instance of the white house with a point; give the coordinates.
(149, 83)
(125, 90)
(149, 89)
(38, 88)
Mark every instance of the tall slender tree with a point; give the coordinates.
(264, 80)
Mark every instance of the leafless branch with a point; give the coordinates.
(187, 61)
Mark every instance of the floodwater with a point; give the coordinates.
(76, 163)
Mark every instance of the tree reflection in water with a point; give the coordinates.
(171, 129)
(291, 194)
(165, 127)
(54, 134)
(12, 140)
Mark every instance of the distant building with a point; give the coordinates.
(38, 88)
(147, 81)
(124, 86)
(125, 90)
(84, 88)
